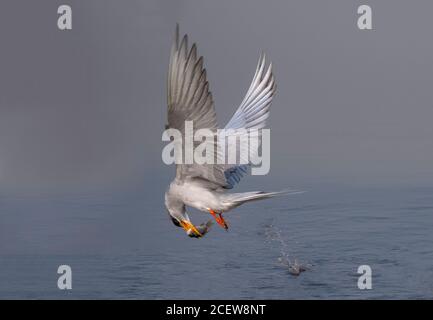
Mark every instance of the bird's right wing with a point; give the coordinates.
(251, 114)
(254, 109)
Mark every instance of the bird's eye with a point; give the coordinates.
(175, 222)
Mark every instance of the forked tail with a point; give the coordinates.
(236, 199)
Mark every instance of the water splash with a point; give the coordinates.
(294, 267)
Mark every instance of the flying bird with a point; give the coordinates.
(205, 186)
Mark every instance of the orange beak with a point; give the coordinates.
(188, 226)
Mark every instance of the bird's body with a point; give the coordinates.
(194, 193)
(197, 194)
(205, 186)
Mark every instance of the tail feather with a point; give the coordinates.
(236, 199)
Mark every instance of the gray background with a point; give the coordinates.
(84, 109)
(81, 176)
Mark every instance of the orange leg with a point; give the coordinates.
(219, 219)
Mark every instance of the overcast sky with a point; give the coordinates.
(86, 108)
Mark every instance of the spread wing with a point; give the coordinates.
(251, 114)
(189, 99)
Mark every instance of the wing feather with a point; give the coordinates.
(251, 114)
(189, 99)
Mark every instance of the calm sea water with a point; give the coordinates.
(125, 247)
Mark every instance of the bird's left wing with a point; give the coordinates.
(189, 99)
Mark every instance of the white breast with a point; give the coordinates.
(196, 196)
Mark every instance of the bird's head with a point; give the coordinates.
(181, 219)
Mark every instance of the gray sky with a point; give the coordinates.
(86, 108)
